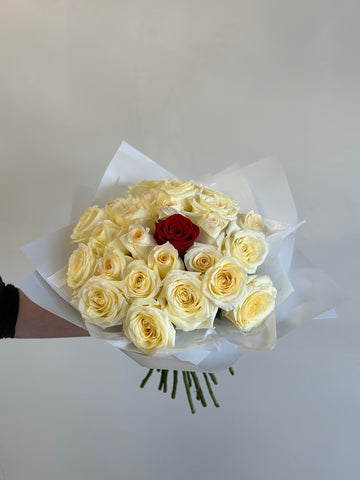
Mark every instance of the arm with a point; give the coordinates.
(22, 318)
(35, 322)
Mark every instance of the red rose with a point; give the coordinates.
(178, 230)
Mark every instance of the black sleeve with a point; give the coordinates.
(9, 309)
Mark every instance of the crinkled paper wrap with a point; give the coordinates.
(262, 187)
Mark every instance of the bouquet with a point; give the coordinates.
(178, 274)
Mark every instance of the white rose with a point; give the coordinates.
(212, 201)
(124, 211)
(82, 264)
(201, 256)
(117, 244)
(138, 241)
(113, 263)
(164, 200)
(248, 247)
(152, 196)
(115, 208)
(252, 221)
(101, 301)
(165, 258)
(148, 327)
(141, 281)
(102, 235)
(212, 224)
(224, 283)
(176, 188)
(164, 212)
(87, 223)
(140, 188)
(148, 198)
(185, 301)
(258, 303)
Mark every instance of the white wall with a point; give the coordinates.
(193, 84)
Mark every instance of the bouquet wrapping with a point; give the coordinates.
(302, 292)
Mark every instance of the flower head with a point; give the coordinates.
(178, 230)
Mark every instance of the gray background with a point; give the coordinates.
(192, 84)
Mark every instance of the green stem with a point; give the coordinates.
(198, 389)
(188, 378)
(175, 382)
(143, 383)
(161, 380)
(213, 378)
(210, 390)
(165, 373)
(188, 393)
(231, 370)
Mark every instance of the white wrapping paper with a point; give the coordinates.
(261, 187)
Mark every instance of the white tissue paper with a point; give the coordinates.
(304, 292)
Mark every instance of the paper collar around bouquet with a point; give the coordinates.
(303, 292)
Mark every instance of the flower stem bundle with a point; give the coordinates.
(190, 380)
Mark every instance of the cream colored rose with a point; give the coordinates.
(212, 224)
(87, 223)
(101, 301)
(115, 208)
(165, 258)
(173, 193)
(149, 327)
(141, 281)
(164, 200)
(258, 303)
(103, 234)
(82, 264)
(248, 247)
(212, 201)
(176, 188)
(150, 201)
(185, 302)
(140, 188)
(201, 256)
(113, 263)
(224, 283)
(117, 244)
(124, 211)
(252, 221)
(164, 212)
(138, 241)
